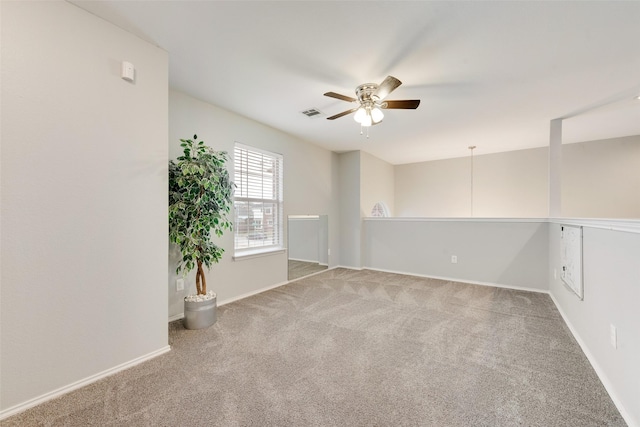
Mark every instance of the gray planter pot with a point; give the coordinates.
(200, 314)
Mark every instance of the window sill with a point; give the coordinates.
(258, 253)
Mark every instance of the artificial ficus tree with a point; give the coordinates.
(200, 200)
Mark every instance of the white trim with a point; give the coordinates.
(596, 367)
(236, 298)
(460, 219)
(176, 317)
(259, 291)
(469, 282)
(268, 288)
(314, 261)
(250, 294)
(348, 267)
(259, 150)
(624, 225)
(311, 274)
(79, 384)
(620, 224)
(233, 299)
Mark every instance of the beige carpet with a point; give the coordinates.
(356, 348)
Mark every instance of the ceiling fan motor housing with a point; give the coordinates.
(365, 91)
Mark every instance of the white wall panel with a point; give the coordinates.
(501, 252)
(84, 199)
(611, 278)
(303, 241)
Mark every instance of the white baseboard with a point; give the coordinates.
(176, 317)
(256, 292)
(78, 384)
(232, 299)
(470, 282)
(312, 274)
(596, 367)
(315, 261)
(352, 268)
(250, 294)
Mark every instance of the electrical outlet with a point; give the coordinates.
(613, 335)
(179, 285)
(454, 259)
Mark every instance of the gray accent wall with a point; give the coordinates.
(350, 215)
(303, 243)
(84, 200)
(510, 253)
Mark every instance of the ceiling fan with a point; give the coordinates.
(371, 97)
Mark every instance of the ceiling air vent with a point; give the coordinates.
(312, 112)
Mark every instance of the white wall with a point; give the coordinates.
(303, 239)
(511, 253)
(323, 239)
(601, 179)
(377, 179)
(439, 188)
(511, 184)
(611, 277)
(310, 187)
(350, 212)
(84, 200)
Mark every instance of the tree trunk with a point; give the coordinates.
(201, 281)
(198, 273)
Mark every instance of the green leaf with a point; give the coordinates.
(200, 198)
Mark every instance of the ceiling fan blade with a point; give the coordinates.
(341, 97)
(407, 104)
(344, 113)
(386, 87)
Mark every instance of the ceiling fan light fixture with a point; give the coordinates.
(360, 115)
(377, 115)
(366, 121)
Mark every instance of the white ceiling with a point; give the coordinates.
(490, 74)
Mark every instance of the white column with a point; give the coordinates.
(555, 168)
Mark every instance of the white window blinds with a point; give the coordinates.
(257, 200)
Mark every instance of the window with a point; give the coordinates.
(257, 200)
